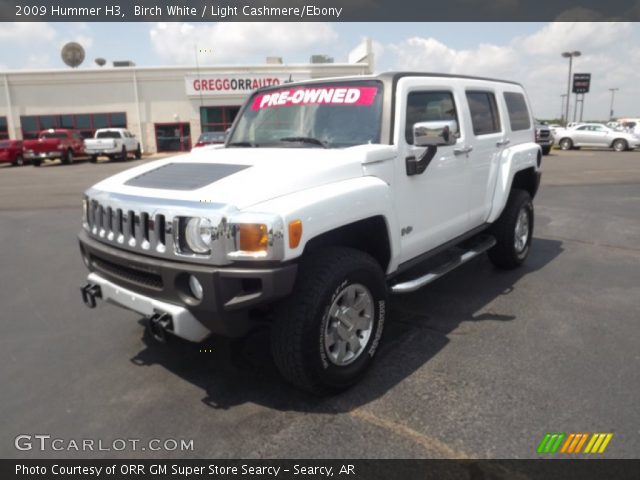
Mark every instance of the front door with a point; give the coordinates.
(173, 137)
(432, 207)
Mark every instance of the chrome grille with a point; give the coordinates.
(147, 225)
(544, 133)
(139, 230)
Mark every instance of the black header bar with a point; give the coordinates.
(315, 10)
(318, 469)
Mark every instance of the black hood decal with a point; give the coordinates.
(184, 176)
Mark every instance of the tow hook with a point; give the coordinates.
(90, 292)
(158, 324)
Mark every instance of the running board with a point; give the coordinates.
(469, 254)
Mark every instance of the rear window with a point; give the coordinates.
(518, 113)
(108, 134)
(53, 135)
(484, 113)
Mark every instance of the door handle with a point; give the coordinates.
(502, 143)
(463, 150)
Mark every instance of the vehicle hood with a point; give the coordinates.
(240, 176)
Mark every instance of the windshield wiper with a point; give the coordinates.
(242, 144)
(311, 140)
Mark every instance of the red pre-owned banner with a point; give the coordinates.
(316, 96)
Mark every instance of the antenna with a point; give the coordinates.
(72, 54)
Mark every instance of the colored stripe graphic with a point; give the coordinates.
(551, 442)
(573, 443)
(598, 442)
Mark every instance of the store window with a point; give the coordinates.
(217, 119)
(85, 123)
(4, 129)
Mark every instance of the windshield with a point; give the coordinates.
(323, 115)
(108, 134)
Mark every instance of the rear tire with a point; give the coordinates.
(326, 333)
(513, 231)
(67, 157)
(620, 145)
(546, 150)
(93, 159)
(566, 144)
(36, 162)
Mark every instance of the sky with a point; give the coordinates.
(529, 53)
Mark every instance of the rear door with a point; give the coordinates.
(489, 138)
(601, 136)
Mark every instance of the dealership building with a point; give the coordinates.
(166, 107)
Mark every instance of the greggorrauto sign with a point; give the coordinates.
(234, 84)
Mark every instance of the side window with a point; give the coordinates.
(519, 117)
(484, 112)
(586, 127)
(426, 107)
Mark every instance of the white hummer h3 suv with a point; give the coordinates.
(327, 196)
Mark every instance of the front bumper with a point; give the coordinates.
(232, 296)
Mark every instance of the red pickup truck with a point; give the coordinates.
(11, 151)
(54, 143)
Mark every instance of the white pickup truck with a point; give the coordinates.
(328, 196)
(115, 143)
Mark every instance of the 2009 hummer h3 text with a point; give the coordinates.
(327, 196)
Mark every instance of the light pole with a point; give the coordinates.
(570, 56)
(562, 97)
(613, 93)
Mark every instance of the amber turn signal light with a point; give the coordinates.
(254, 237)
(295, 233)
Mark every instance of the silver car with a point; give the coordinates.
(596, 135)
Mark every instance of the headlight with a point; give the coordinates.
(199, 234)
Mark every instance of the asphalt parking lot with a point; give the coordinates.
(482, 363)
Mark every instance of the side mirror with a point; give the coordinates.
(436, 133)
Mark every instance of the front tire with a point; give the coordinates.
(326, 333)
(123, 154)
(36, 162)
(566, 144)
(620, 145)
(19, 161)
(546, 149)
(513, 231)
(138, 153)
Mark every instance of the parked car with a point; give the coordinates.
(596, 135)
(327, 196)
(544, 138)
(11, 151)
(54, 143)
(210, 138)
(115, 143)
